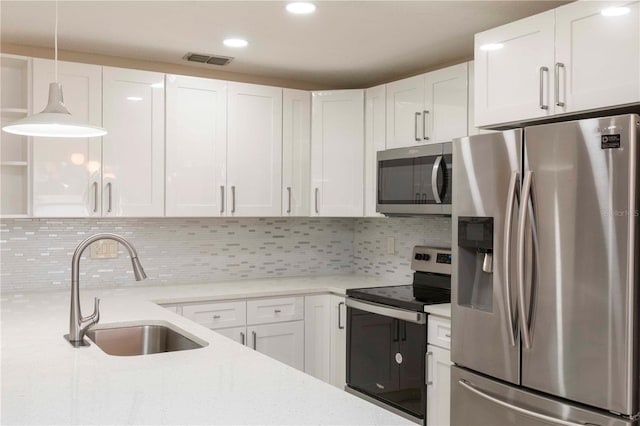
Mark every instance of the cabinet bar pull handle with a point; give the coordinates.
(289, 194)
(242, 337)
(557, 85)
(221, 198)
(317, 190)
(541, 76)
(447, 335)
(233, 199)
(340, 326)
(277, 311)
(424, 125)
(110, 199)
(427, 378)
(216, 316)
(415, 126)
(255, 338)
(95, 197)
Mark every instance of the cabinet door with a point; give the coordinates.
(374, 141)
(337, 153)
(405, 103)
(282, 341)
(296, 152)
(338, 345)
(597, 57)
(196, 144)
(238, 334)
(318, 332)
(445, 104)
(133, 150)
(67, 171)
(514, 82)
(254, 150)
(438, 386)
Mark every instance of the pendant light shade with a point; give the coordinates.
(55, 120)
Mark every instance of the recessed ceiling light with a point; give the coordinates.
(492, 46)
(615, 11)
(235, 42)
(301, 8)
(134, 98)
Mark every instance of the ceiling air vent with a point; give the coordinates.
(207, 59)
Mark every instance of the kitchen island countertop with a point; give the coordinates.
(46, 381)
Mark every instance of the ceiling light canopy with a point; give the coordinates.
(55, 120)
(235, 42)
(492, 46)
(615, 11)
(301, 8)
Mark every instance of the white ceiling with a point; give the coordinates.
(343, 44)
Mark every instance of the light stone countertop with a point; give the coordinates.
(46, 381)
(441, 310)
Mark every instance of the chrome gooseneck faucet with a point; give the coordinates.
(79, 325)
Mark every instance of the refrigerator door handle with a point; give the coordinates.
(434, 179)
(515, 408)
(511, 198)
(522, 220)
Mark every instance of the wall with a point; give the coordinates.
(36, 253)
(370, 244)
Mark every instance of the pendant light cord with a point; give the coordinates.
(56, 43)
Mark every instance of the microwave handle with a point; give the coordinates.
(434, 179)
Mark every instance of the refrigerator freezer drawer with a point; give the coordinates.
(479, 401)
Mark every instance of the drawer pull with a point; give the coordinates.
(447, 335)
(277, 311)
(216, 316)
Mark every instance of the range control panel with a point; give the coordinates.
(431, 259)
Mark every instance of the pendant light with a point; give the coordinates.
(55, 120)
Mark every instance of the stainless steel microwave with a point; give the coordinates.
(415, 180)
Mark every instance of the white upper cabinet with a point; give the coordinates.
(427, 108)
(597, 57)
(337, 153)
(133, 149)
(67, 172)
(566, 60)
(374, 141)
(296, 152)
(254, 150)
(514, 82)
(196, 145)
(445, 104)
(405, 105)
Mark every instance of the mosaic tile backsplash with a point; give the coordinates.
(370, 243)
(36, 253)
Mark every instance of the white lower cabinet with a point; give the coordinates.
(325, 338)
(438, 371)
(283, 341)
(273, 326)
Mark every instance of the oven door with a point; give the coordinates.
(414, 180)
(386, 350)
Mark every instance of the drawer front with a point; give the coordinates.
(263, 311)
(439, 332)
(217, 315)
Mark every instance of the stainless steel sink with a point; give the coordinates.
(141, 339)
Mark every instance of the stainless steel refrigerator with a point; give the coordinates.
(545, 293)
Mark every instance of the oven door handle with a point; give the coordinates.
(376, 308)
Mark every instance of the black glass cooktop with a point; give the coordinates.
(401, 296)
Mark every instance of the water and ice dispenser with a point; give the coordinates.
(475, 260)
